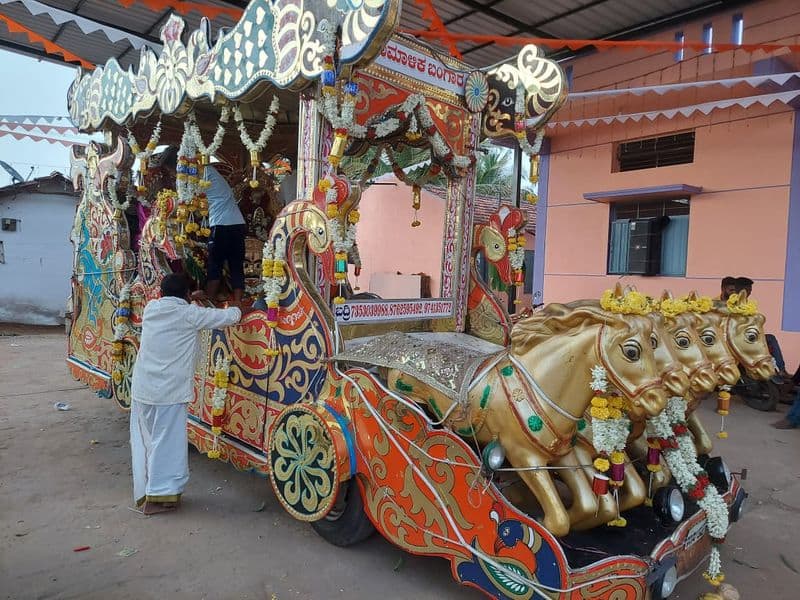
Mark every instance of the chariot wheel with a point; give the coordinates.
(346, 524)
(308, 460)
(122, 375)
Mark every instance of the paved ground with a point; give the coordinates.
(65, 483)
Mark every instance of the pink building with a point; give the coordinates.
(676, 187)
(388, 245)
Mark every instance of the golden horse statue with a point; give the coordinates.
(739, 329)
(531, 399)
(682, 366)
(743, 328)
(487, 318)
(712, 339)
(677, 328)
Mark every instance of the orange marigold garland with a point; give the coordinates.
(610, 429)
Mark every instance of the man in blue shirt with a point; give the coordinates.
(226, 244)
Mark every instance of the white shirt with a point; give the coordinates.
(222, 207)
(164, 369)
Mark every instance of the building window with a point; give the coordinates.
(708, 38)
(650, 153)
(649, 238)
(8, 224)
(679, 53)
(737, 29)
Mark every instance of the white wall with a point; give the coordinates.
(34, 280)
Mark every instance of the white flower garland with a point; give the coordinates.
(610, 435)
(222, 365)
(599, 382)
(266, 132)
(143, 156)
(112, 193)
(123, 324)
(273, 278)
(342, 243)
(187, 186)
(219, 134)
(517, 255)
(522, 136)
(683, 463)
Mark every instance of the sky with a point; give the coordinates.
(33, 87)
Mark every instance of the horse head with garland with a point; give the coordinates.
(743, 329)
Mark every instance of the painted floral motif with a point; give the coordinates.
(476, 91)
(302, 464)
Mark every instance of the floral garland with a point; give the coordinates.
(341, 116)
(273, 275)
(166, 200)
(610, 430)
(121, 329)
(516, 256)
(144, 156)
(413, 113)
(631, 303)
(670, 432)
(190, 187)
(256, 147)
(112, 194)
(343, 233)
(699, 304)
(208, 151)
(748, 308)
(521, 132)
(221, 370)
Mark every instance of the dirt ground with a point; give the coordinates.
(65, 484)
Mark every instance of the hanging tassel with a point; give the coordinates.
(416, 203)
(254, 162)
(620, 521)
(723, 408)
(533, 177)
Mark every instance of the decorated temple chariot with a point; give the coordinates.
(547, 453)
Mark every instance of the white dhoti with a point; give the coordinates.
(159, 452)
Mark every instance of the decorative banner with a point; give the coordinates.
(392, 310)
(40, 138)
(42, 128)
(49, 47)
(686, 111)
(33, 118)
(555, 44)
(402, 59)
(755, 81)
(184, 8)
(429, 14)
(59, 17)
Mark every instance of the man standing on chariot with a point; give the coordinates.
(228, 230)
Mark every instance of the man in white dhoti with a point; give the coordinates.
(161, 390)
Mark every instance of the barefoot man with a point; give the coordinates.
(161, 390)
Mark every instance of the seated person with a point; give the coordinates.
(226, 244)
